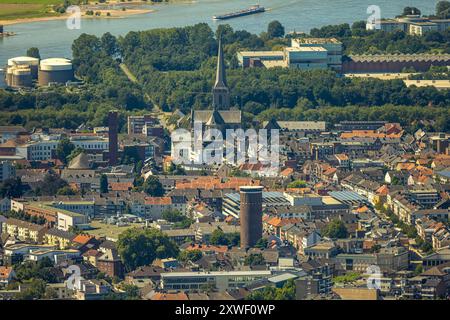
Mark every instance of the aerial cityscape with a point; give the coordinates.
(224, 150)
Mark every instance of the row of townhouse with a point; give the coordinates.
(362, 186)
(409, 212)
(100, 205)
(34, 233)
(387, 259)
(300, 236)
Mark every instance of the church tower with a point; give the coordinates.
(220, 92)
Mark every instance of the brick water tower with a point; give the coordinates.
(250, 215)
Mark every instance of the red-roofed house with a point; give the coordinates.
(6, 275)
(155, 206)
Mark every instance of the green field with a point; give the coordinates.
(20, 9)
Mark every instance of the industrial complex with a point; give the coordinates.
(25, 72)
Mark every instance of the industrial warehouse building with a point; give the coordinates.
(221, 280)
(327, 53)
(380, 63)
(411, 24)
(304, 54)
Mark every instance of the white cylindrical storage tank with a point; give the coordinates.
(55, 70)
(21, 77)
(31, 62)
(8, 76)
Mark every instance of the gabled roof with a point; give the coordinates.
(5, 272)
(82, 238)
(80, 162)
(215, 119)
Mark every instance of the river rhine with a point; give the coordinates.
(54, 39)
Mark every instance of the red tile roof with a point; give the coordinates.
(5, 272)
(158, 201)
(82, 238)
(169, 296)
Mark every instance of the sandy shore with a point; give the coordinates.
(115, 14)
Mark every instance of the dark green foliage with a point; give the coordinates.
(254, 260)
(43, 270)
(103, 183)
(50, 185)
(180, 220)
(34, 289)
(176, 68)
(11, 188)
(287, 292)
(218, 237)
(139, 247)
(443, 9)
(275, 29)
(261, 243)
(190, 255)
(33, 52)
(64, 149)
(24, 216)
(153, 187)
(336, 229)
(66, 191)
(297, 184)
(411, 11)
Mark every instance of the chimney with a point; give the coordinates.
(112, 135)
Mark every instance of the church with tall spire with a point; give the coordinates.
(221, 116)
(220, 92)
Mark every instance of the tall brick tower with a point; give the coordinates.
(112, 135)
(250, 215)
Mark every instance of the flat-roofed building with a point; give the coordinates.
(221, 280)
(232, 202)
(387, 25)
(56, 256)
(411, 24)
(136, 124)
(180, 236)
(296, 126)
(388, 63)
(68, 220)
(420, 28)
(306, 58)
(332, 46)
(246, 58)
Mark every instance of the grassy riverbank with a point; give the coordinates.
(23, 11)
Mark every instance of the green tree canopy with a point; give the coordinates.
(287, 292)
(190, 255)
(33, 52)
(336, 229)
(139, 247)
(50, 185)
(254, 260)
(64, 149)
(103, 183)
(275, 29)
(11, 188)
(443, 9)
(411, 11)
(297, 184)
(153, 187)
